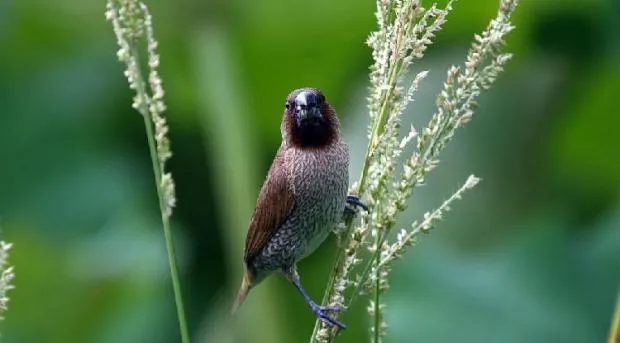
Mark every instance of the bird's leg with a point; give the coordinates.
(352, 201)
(319, 311)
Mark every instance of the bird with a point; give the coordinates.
(303, 197)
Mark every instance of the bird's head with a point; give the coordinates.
(309, 120)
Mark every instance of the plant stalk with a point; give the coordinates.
(157, 171)
(377, 301)
(340, 254)
(614, 331)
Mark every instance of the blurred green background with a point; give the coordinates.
(531, 255)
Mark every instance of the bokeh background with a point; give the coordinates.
(531, 255)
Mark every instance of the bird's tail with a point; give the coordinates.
(243, 292)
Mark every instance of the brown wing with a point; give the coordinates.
(274, 202)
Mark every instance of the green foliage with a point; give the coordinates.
(76, 196)
(585, 143)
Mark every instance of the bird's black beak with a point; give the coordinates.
(307, 108)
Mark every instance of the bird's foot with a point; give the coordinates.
(349, 211)
(321, 313)
(330, 308)
(353, 201)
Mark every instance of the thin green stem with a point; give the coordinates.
(377, 302)
(377, 319)
(157, 171)
(374, 259)
(174, 272)
(614, 331)
(377, 130)
(337, 266)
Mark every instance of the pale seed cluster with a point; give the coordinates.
(6, 276)
(405, 30)
(132, 21)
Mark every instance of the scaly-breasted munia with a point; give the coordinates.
(303, 197)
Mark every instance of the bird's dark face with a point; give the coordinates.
(309, 120)
(305, 106)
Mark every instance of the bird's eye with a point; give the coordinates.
(287, 105)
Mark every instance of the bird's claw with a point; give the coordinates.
(320, 312)
(352, 201)
(349, 211)
(330, 308)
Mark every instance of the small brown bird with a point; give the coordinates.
(303, 197)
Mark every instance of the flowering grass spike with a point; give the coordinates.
(6, 276)
(132, 22)
(404, 31)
